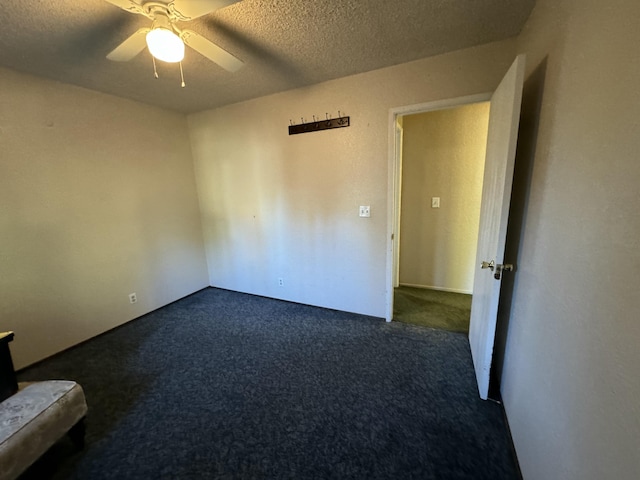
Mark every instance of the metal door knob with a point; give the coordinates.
(507, 267)
(490, 265)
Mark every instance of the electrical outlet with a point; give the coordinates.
(133, 298)
(280, 282)
(365, 211)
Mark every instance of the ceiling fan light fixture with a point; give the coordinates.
(165, 40)
(165, 45)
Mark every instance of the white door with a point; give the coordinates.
(504, 118)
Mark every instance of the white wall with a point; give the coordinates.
(443, 156)
(98, 200)
(571, 386)
(279, 206)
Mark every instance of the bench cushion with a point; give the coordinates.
(35, 418)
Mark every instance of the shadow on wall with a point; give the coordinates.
(525, 154)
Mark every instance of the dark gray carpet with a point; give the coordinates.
(432, 308)
(232, 386)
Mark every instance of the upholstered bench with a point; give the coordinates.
(35, 418)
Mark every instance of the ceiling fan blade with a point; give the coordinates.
(131, 47)
(213, 52)
(190, 9)
(128, 5)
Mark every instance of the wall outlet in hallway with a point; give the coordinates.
(365, 211)
(133, 298)
(280, 282)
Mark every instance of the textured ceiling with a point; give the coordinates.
(284, 43)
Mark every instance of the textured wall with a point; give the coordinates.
(443, 156)
(570, 385)
(97, 200)
(279, 206)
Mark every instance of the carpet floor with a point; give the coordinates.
(432, 308)
(225, 385)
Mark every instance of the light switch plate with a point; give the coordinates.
(435, 202)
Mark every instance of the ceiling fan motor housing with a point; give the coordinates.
(162, 20)
(154, 10)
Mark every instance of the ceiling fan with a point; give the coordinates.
(165, 39)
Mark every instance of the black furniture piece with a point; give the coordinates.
(8, 381)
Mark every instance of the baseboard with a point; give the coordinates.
(75, 345)
(441, 289)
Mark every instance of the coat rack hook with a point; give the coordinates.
(319, 124)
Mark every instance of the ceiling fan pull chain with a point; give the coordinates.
(155, 72)
(182, 76)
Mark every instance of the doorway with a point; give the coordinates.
(437, 163)
(440, 191)
(494, 211)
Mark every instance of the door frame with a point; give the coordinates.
(394, 175)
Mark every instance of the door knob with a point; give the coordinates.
(490, 265)
(499, 268)
(507, 267)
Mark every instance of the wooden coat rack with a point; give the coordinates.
(318, 125)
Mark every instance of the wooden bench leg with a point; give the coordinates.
(77, 433)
